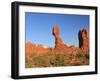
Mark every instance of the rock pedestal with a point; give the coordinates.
(83, 37)
(58, 41)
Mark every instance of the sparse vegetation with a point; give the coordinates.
(56, 59)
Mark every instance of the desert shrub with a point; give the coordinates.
(57, 60)
(41, 61)
(52, 59)
(78, 55)
(28, 63)
(87, 56)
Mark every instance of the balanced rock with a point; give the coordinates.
(58, 41)
(83, 37)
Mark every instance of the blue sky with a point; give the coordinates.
(39, 27)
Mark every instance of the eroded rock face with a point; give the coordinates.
(58, 41)
(60, 47)
(32, 49)
(29, 47)
(83, 37)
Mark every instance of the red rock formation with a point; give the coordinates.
(29, 47)
(58, 41)
(60, 47)
(32, 49)
(83, 37)
(40, 49)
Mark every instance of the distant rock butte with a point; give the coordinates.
(60, 47)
